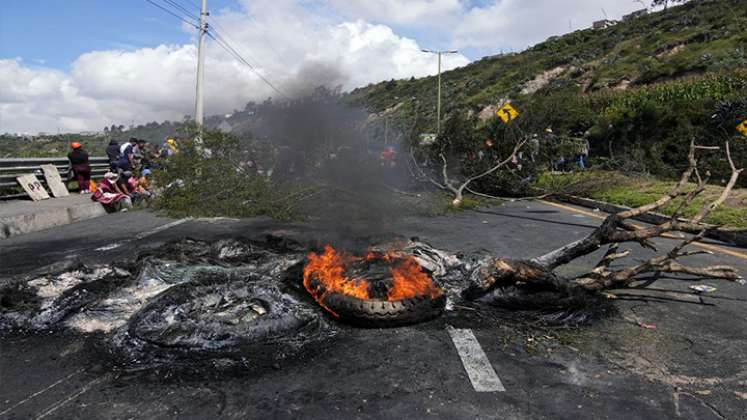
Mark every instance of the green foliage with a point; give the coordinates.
(632, 191)
(210, 180)
(639, 91)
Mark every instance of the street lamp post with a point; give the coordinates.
(438, 106)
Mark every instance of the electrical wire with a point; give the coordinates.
(182, 9)
(213, 34)
(232, 51)
(172, 13)
(267, 42)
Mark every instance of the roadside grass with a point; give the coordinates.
(632, 191)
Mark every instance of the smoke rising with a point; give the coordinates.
(336, 149)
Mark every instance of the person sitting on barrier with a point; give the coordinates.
(80, 166)
(129, 183)
(110, 195)
(143, 183)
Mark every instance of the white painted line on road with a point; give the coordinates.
(59, 404)
(162, 228)
(475, 361)
(110, 247)
(36, 394)
(144, 235)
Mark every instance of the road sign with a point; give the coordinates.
(742, 128)
(507, 113)
(33, 187)
(52, 175)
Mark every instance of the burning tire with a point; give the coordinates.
(381, 289)
(378, 313)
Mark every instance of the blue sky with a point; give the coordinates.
(58, 31)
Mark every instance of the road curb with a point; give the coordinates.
(33, 222)
(736, 237)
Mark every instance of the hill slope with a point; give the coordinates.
(702, 36)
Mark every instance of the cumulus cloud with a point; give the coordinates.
(517, 24)
(289, 45)
(410, 12)
(297, 45)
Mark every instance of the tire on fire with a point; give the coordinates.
(380, 289)
(381, 313)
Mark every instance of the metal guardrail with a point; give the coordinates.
(14, 167)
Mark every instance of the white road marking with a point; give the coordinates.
(110, 247)
(61, 403)
(144, 235)
(36, 394)
(476, 363)
(162, 228)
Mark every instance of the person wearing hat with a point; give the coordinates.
(111, 195)
(80, 166)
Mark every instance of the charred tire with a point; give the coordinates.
(379, 313)
(185, 318)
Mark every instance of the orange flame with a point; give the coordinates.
(324, 274)
(409, 281)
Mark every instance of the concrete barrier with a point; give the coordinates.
(737, 237)
(21, 217)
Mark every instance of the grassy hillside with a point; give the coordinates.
(696, 38)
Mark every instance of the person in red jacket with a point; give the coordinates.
(80, 166)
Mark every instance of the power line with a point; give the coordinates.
(192, 24)
(267, 42)
(227, 40)
(226, 46)
(182, 9)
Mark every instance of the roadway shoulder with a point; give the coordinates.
(20, 217)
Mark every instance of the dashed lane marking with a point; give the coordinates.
(36, 394)
(602, 216)
(475, 361)
(146, 234)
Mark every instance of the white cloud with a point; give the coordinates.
(410, 12)
(293, 48)
(517, 24)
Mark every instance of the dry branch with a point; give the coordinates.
(615, 230)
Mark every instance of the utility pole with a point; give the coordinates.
(199, 112)
(438, 106)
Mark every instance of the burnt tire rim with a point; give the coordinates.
(382, 313)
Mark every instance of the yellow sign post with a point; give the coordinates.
(742, 128)
(507, 113)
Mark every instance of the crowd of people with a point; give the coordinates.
(127, 182)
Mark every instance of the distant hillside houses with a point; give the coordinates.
(604, 24)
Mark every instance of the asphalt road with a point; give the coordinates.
(693, 365)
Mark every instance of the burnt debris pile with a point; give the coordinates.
(233, 299)
(216, 300)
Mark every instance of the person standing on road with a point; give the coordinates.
(80, 166)
(169, 148)
(126, 156)
(112, 152)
